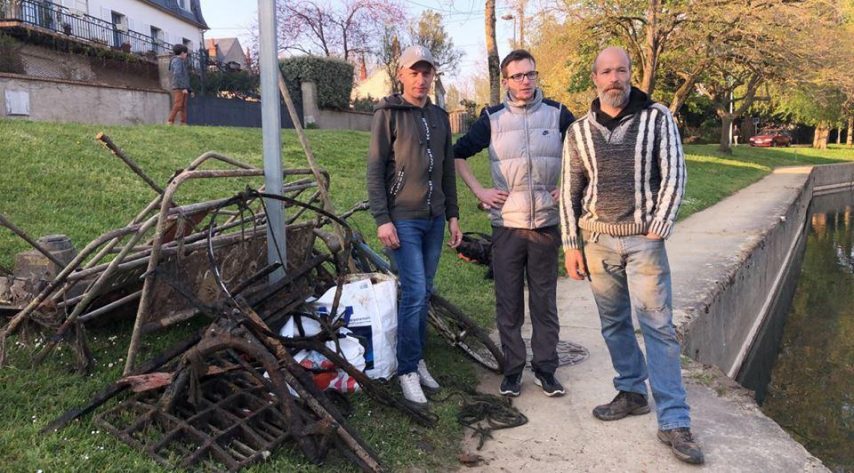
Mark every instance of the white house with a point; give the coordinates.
(143, 25)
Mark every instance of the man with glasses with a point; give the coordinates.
(524, 135)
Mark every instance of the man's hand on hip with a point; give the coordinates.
(574, 263)
(555, 195)
(492, 197)
(456, 236)
(387, 235)
(653, 236)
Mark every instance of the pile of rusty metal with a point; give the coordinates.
(229, 395)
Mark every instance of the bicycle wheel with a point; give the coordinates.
(461, 331)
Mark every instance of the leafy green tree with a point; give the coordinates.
(724, 49)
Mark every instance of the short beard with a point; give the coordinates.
(615, 98)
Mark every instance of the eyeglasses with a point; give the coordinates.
(531, 75)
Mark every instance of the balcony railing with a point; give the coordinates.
(50, 16)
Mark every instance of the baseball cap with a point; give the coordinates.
(415, 54)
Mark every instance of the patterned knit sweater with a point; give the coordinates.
(628, 181)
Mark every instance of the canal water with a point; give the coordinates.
(811, 387)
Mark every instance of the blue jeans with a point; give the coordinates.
(632, 274)
(417, 260)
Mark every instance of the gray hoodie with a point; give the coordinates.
(179, 74)
(410, 162)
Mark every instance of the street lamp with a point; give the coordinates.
(508, 17)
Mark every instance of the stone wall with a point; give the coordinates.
(47, 63)
(735, 263)
(60, 100)
(331, 119)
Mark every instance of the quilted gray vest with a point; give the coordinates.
(525, 156)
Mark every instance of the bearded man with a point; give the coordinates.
(623, 180)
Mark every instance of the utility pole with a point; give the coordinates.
(272, 135)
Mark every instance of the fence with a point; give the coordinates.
(216, 111)
(460, 121)
(87, 29)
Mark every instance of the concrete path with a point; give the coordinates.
(563, 436)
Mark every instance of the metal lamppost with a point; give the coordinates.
(272, 135)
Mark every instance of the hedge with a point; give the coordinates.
(333, 78)
(241, 84)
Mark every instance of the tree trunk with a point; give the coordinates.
(492, 55)
(850, 138)
(726, 121)
(681, 95)
(522, 23)
(822, 132)
(839, 135)
(650, 63)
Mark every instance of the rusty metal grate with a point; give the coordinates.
(236, 422)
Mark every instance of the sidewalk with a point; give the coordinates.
(563, 436)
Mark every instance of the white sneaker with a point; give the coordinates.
(411, 387)
(427, 381)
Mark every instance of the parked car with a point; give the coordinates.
(771, 138)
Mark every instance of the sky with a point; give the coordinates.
(463, 19)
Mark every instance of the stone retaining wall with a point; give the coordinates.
(753, 237)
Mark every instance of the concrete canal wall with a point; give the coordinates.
(734, 259)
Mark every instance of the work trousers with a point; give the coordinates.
(518, 256)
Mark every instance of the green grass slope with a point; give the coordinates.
(57, 179)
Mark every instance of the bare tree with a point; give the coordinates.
(428, 31)
(389, 57)
(492, 55)
(344, 29)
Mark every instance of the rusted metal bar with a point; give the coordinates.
(145, 368)
(112, 390)
(148, 284)
(110, 307)
(17, 231)
(323, 187)
(60, 279)
(127, 160)
(308, 392)
(93, 291)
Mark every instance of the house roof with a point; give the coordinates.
(193, 16)
(224, 49)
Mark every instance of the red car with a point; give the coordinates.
(771, 138)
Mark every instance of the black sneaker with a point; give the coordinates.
(682, 445)
(511, 385)
(626, 403)
(551, 386)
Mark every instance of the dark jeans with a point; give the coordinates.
(519, 254)
(417, 260)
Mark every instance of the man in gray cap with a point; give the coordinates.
(412, 192)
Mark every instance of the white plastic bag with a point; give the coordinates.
(369, 307)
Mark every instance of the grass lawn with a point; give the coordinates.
(57, 179)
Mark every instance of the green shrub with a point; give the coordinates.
(333, 78)
(10, 55)
(365, 104)
(239, 84)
